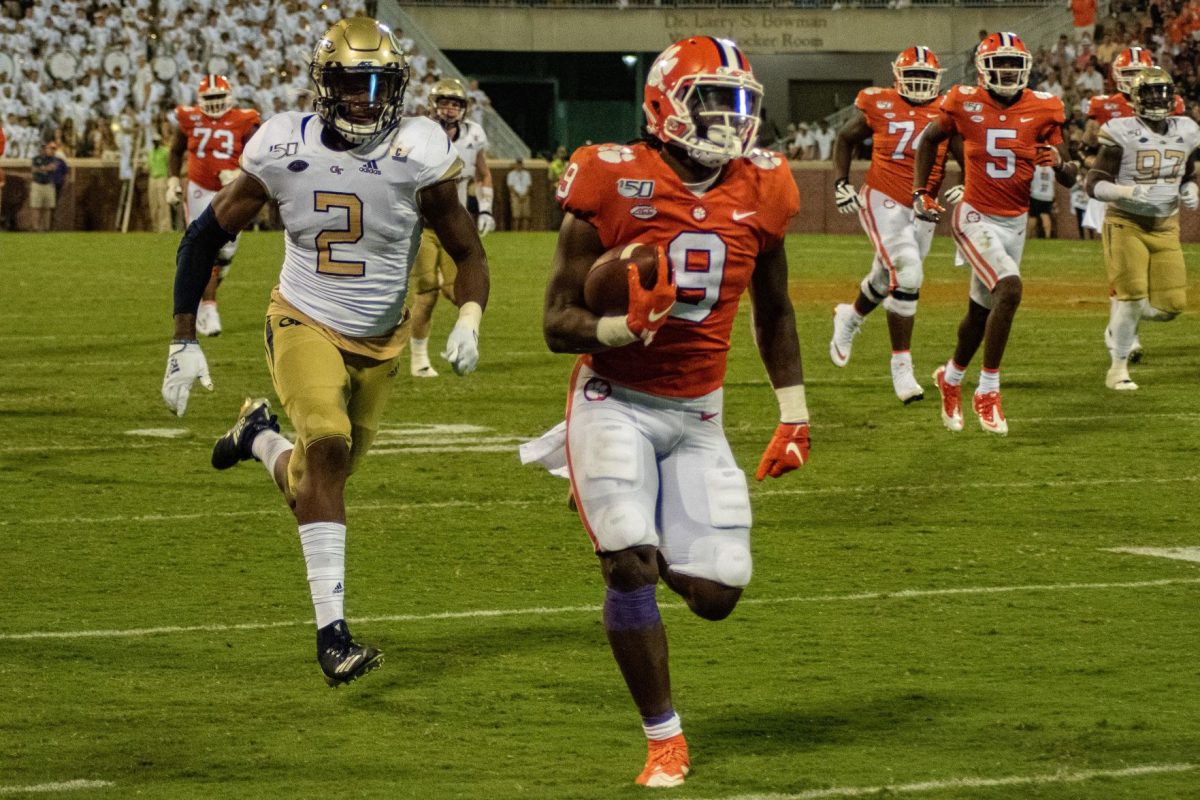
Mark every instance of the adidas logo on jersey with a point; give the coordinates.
(371, 168)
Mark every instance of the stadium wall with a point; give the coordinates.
(89, 198)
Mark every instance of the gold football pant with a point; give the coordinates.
(325, 391)
(1146, 261)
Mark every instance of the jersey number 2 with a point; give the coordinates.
(351, 233)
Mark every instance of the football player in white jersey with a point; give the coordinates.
(1145, 168)
(352, 181)
(434, 269)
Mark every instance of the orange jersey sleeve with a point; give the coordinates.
(1000, 144)
(628, 193)
(215, 143)
(896, 129)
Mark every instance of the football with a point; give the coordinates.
(606, 288)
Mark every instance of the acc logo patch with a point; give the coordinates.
(884, 104)
(597, 389)
(634, 187)
(614, 153)
(972, 108)
(977, 118)
(298, 166)
(973, 216)
(890, 115)
(643, 212)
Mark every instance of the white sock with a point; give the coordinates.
(902, 357)
(664, 729)
(324, 546)
(420, 351)
(267, 447)
(1123, 325)
(954, 373)
(989, 381)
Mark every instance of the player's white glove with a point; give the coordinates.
(174, 190)
(185, 365)
(848, 201)
(1189, 195)
(486, 223)
(954, 194)
(462, 347)
(228, 176)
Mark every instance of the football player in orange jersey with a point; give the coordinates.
(653, 476)
(894, 119)
(1006, 130)
(213, 134)
(1128, 64)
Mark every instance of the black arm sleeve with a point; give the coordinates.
(194, 260)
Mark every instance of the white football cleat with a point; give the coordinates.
(425, 370)
(951, 400)
(1118, 379)
(846, 324)
(991, 415)
(208, 321)
(905, 384)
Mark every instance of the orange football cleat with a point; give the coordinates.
(666, 763)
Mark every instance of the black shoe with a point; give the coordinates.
(341, 658)
(254, 418)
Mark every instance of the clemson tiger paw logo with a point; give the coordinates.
(614, 153)
(764, 159)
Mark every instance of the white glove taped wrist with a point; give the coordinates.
(185, 365)
(1189, 195)
(954, 194)
(848, 201)
(462, 347)
(174, 190)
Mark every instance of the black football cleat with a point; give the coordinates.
(341, 658)
(254, 418)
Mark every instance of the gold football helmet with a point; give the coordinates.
(448, 89)
(360, 73)
(1153, 94)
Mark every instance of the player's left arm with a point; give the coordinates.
(485, 195)
(1058, 156)
(1189, 192)
(456, 231)
(779, 347)
(568, 325)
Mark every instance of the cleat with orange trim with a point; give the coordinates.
(991, 415)
(846, 324)
(667, 763)
(951, 400)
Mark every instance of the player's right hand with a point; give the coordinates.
(185, 365)
(174, 190)
(787, 450)
(1189, 195)
(650, 308)
(848, 201)
(954, 195)
(926, 206)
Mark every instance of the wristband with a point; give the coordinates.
(793, 408)
(484, 195)
(614, 332)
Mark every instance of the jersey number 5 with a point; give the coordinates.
(1008, 166)
(351, 233)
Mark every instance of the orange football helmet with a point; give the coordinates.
(918, 74)
(1004, 63)
(702, 96)
(216, 95)
(1128, 64)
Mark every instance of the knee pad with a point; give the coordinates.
(611, 455)
(719, 558)
(901, 303)
(1165, 306)
(875, 285)
(622, 525)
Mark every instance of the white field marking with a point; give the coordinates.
(72, 448)
(160, 433)
(440, 504)
(1063, 776)
(62, 786)
(449, 448)
(1177, 553)
(491, 613)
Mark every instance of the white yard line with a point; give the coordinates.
(61, 786)
(1177, 553)
(888, 790)
(538, 611)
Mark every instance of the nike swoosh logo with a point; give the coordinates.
(793, 450)
(655, 316)
(705, 416)
(1026, 119)
(738, 216)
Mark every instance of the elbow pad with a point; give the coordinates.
(194, 259)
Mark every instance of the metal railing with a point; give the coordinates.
(503, 141)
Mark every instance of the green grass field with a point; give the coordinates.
(936, 613)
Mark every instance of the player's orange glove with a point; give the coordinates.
(787, 451)
(649, 308)
(1047, 156)
(926, 206)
